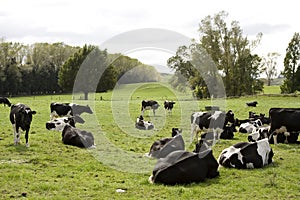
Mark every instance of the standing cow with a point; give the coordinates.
(21, 117)
(284, 121)
(68, 110)
(216, 120)
(148, 105)
(169, 105)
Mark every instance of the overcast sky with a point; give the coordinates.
(95, 22)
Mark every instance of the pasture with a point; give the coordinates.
(49, 169)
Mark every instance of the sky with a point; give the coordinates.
(96, 22)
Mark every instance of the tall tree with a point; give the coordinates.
(68, 71)
(223, 51)
(269, 65)
(291, 63)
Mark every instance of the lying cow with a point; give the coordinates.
(68, 110)
(71, 135)
(161, 148)
(250, 126)
(21, 117)
(169, 105)
(148, 105)
(252, 104)
(183, 167)
(143, 125)
(5, 101)
(216, 120)
(247, 155)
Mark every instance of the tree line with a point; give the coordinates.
(44, 68)
(223, 55)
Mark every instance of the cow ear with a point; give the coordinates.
(33, 112)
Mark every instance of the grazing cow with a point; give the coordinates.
(169, 105)
(250, 126)
(21, 117)
(183, 167)
(5, 101)
(252, 104)
(161, 148)
(148, 105)
(216, 120)
(142, 124)
(284, 121)
(71, 135)
(247, 155)
(68, 109)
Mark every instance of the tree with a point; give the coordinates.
(291, 65)
(223, 51)
(68, 71)
(269, 65)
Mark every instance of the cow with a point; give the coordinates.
(5, 101)
(142, 124)
(216, 120)
(71, 135)
(252, 104)
(169, 105)
(228, 132)
(262, 117)
(247, 155)
(183, 167)
(161, 148)
(259, 134)
(250, 126)
(148, 105)
(21, 117)
(68, 110)
(283, 121)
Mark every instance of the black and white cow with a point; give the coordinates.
(148, 105)
(161, 148)
(250, 126)
(71, 135)
(142, 124)
(5, 101)
(247, 155)
(183, 167)
(259, 134)
(68, 110)
(252, 104)
(284, 121)
(216, 120)
(169, 105)
(21, 117)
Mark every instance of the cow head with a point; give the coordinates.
(176, 131)
(26, 115)
(230, 116)
(59, 124)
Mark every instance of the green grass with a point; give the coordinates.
(49, 169)
(273, 89)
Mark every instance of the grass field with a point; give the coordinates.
(49, 169)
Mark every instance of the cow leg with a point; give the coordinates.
(275, 138)
(15, 134)
(26, 138)
(286, 134)
(153, 112)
